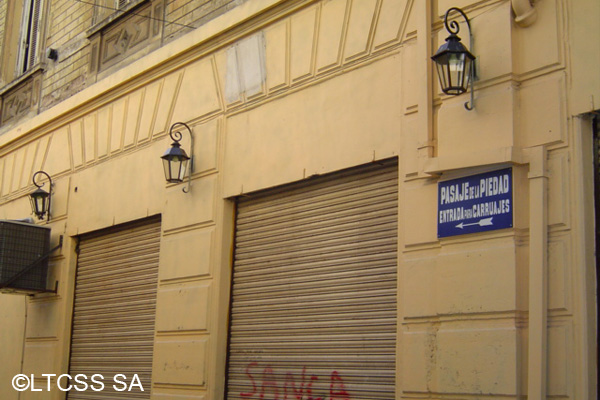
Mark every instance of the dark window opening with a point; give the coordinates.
(31, 25)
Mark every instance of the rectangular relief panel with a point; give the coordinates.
(131, 33)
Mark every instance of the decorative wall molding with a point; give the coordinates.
(117, 42)
(21, 99)
(197, 91)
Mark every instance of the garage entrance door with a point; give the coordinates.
(313, 311)
(113, 316)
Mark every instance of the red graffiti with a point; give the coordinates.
(337, 390)
(252, 364)
(291, 389)
(269, 384)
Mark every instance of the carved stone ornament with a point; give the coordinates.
(135, 30)
(20, 100)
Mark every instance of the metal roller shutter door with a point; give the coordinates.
(114, 308)
(313, 311)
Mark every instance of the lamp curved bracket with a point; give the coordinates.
(453, 27)
(42, 173)
(177, 136)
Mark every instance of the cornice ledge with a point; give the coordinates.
(435, 166)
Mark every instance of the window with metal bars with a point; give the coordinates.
(120, 4)
(106, 11)
(30, 36)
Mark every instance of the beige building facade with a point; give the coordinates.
(303, 258)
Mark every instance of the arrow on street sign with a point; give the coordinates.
(482, 222)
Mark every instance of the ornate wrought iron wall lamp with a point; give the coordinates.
(40, 199)
(455, 64)
(175, 159)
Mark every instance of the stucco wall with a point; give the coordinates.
(307, 88)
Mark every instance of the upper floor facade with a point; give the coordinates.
(52, 49)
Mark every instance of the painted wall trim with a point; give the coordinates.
(500, 155)
(525, 14)
(538, 274)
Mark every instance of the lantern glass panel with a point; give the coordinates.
(442, 75)
(175, 162)
(456, 67)
(39, 202)
(175, 168)
(453, 63)
(468, 66)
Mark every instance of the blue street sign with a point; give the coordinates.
(476, 203)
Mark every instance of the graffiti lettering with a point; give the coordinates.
(337, 390)
(249, 375)
(269, 384)
(270, 388)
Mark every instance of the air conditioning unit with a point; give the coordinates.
(24, 250)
